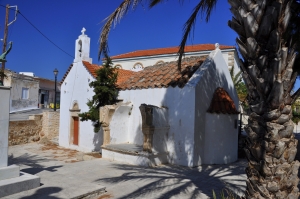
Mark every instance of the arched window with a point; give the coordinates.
(118, 66)
(160, 62)
(80, 47)
(137, 67)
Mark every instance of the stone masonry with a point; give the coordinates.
(32, 130)
(21, 132)
(50, 124)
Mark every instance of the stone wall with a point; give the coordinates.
(32, 130)
(22, 132)
(50, 124)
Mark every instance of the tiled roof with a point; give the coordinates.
(91, 67)
(163, 75)
(222, 103)
(122, 74)
(170, 50)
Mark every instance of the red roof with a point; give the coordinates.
(122, 74)
(170, 50)
(163, 75)
(222, 103)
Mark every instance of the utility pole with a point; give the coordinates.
(6, 33)
(5, 38)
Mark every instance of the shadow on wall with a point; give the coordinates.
(212, 76)
(178, 181)
(185, 140)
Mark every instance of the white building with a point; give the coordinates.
(75, 93)
(138, 60)
(164, 116)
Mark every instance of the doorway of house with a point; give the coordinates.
(75, 130)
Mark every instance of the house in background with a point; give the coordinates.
(138, 60)
(24, 91)
(47, 92)
(30, 92)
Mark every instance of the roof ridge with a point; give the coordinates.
(170, 50)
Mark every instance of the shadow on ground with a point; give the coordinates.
(176, 181)
(33, 162)
(44, 193)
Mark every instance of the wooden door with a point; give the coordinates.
(76, 130)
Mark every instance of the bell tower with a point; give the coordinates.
(82, 48)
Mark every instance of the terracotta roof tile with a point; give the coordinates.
(222, 103)
(170, 50)
(123, 75)
(163, 75)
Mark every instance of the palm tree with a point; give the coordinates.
(268, 56)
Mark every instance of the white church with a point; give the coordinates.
(163, 116)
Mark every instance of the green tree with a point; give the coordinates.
(105, 90)
(239, 85)
(268, 56)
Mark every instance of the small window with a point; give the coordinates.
(118, 66)
(137, 67)
(25, 93)
(159, 62)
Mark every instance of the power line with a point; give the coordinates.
(41, 32)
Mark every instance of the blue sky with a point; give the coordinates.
(62, 20)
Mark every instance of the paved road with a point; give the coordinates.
(24, 115)
(67, 179)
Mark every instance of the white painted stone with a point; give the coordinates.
(119, 124)
(134, 159)
(8, 172)
(3, 156)
(22, 183)
(4, 124)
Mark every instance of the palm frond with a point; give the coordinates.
(205, 7)
(237, 78)
(153, 3)
(114, 18)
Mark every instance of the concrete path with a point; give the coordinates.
(63, 175)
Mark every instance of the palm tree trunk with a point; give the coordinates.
(267, 67)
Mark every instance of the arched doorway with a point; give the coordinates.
(74, 124)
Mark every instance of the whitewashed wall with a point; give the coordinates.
(221, 139)
(212, 74)
(180, 105)
(75, 88)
